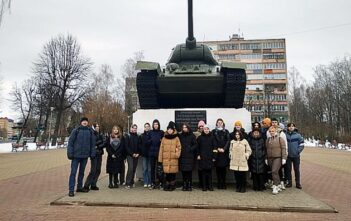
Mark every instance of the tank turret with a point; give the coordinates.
(192, 78)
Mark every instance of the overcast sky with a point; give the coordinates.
(110, 31)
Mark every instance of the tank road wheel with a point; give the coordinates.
(234, 87)
(147, 89)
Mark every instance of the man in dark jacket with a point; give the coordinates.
(81, 146)
(222, 139)
(295, 147)
(155, 137)
(133, 152)
(95, 168)
(144, 151)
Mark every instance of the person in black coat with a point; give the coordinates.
(95, 168)
(155, 137)
(144, 151)
(257, 159)
(206, 156)
(238, 127)
(222, 139)
(115, 147)
(133, 151)
(187, 156)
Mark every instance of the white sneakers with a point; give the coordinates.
(278, 188)
(275, 190)
(282, 185)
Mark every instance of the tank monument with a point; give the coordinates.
(192, 86)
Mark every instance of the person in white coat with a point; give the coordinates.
(239, 153)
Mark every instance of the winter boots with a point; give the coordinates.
(275, 190)
(187, 186)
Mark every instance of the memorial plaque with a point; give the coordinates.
(190, 117)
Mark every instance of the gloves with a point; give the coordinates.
(70, 157)
(266, 161)
(283, 161)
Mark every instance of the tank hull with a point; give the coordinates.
(223, 89)
(190, 92)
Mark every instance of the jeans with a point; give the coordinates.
(95, 170)
(296, 162)
(132, 165)
(75, 163)
(146, 170)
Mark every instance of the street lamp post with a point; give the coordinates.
(48, 143)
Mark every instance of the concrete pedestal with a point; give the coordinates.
(229, 115)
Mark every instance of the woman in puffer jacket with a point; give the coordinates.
(187, 157)
(256, 161)
(169, 154)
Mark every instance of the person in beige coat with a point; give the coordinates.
(239, 153)
(169, 154)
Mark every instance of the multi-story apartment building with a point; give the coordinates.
(266, 90)
(6, 129)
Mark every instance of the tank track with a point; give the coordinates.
(234, 87)
(147, 89)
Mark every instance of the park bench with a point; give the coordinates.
(40, 144)
(61, 144)
(23, 145)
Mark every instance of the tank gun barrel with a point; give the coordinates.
(190, 41)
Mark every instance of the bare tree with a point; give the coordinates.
(5, 5)
(101, 104)
(22, 100)
(62, 68)
(323, 109)
(296, 90)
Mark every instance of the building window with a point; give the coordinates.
(250, 46)
(275, 76)
(251, 56)
(273, 45)
(224, 47)
(274, 56)
(254, 76)
(274, 66)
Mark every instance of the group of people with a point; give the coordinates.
(267, 153)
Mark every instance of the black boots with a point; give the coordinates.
(169, 186)
(190, 186)
(112, 181)
(187, 186)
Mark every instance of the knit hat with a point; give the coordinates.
(267, 121)
(238, 123)
(201, 123)
(171, 125)
(84, 119)
(207, 126)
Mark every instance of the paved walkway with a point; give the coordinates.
(28, 195)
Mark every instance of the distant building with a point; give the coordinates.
(131, 96)
(6, 125)
(266, 91)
